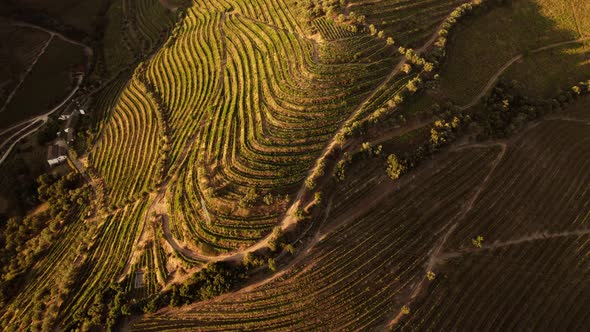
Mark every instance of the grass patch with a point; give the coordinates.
(561, 68)
(484, 44)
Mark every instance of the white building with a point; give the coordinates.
(56, 155)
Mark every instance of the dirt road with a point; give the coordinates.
(491, 82)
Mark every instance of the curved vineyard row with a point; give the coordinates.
(126, 155)
(541, 185)
(408, 22)
(105, 258)
(250, 88)
(135, 28)
(357, 275)
(48, 275)
(331, 31)
(541, 285)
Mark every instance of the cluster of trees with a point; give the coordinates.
(508, 109)
(215, 279)
(312, 9)
(114, 302)
(48, 132)
(107, 307)
(459, 13)
(505, 111)
(23, 239)
(63, 194)
(442, 132)
(395, 167)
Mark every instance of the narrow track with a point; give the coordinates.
(484, 91)
(26, 73)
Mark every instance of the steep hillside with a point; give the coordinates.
(295, 165)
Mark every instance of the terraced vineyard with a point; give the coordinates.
(128, 162)
(135, 29)
(543, 292)
(359, 272)
(367, 264)
(549, 191)
(409, 22)
(249, 132)
(302, 165)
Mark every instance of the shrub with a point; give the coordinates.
(395, 168)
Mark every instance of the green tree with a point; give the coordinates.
(406, 68)
(289, 248)
(430, 275)
(395, 168)
(405, 310)
(272, 264)
(372, 30)
(478, 241)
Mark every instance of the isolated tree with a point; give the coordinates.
(299, 214)
(317, 197)
(372, 29)
(367, 148)
(478, 241)
(275, 239)
(268, 199)
(430, 275)
(289, 248)
(576, 90)
(395, 167)
(405, 310)
(249, 198)
(272, 264)
(407, 68)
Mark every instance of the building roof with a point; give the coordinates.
(54, 151)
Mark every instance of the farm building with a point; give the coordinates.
(56, 155)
